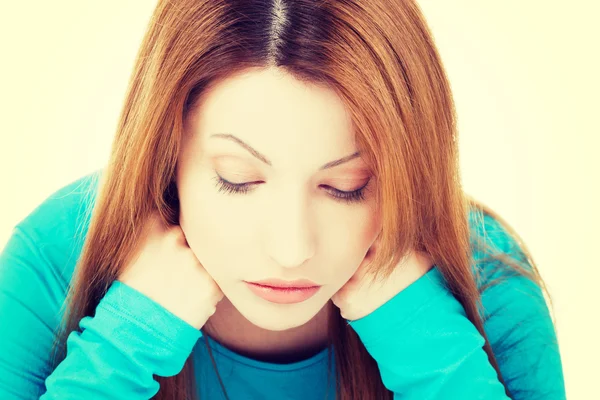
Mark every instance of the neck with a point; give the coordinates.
(232, 330)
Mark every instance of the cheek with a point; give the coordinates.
(209, 231)
(350, 242)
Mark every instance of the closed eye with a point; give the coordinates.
(355, 196)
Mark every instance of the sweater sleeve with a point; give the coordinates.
(114, 355)
(128, 341)
(426, 347)
(518, 323)
(520, 329)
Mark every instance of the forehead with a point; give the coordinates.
(270, 109)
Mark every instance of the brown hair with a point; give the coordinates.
(380, 58)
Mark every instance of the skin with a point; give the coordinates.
(289, 225)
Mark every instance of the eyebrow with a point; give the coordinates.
(264, 159)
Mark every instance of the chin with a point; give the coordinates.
(277, 317)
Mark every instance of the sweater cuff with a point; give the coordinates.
(125, 302)
(402, 308)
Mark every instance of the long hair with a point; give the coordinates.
(380, 58)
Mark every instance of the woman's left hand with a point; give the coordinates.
(358, 298)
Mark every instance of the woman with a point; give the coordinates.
(290, 140)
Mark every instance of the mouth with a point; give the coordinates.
(284, 294)
(281, 284)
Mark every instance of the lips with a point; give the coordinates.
(284, 294)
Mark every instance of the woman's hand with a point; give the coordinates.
(358, 298)
(165, 269)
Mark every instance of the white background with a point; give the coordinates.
(525, 80)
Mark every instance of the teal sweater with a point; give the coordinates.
(425, 346)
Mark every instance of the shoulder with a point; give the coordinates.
(497, 249)
(489, 229)
(508, 279)
(57, 227)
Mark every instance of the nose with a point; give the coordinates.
(290, 237)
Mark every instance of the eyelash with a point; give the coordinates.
(355, 196)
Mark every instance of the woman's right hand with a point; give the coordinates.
(165, 269)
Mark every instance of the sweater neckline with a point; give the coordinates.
(253, 363)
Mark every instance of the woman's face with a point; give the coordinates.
(289, 224)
